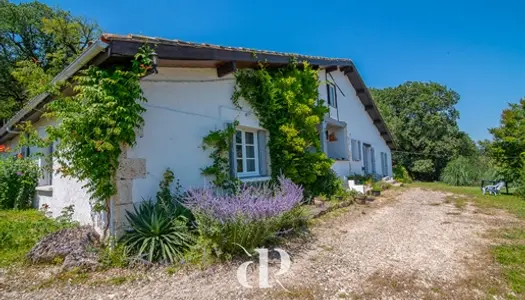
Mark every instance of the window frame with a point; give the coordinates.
(243, 158)
(47, 172)
(331, 100)
(357, 153)
(384, 161)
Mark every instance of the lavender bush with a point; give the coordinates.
(230, 224)
(251, 203)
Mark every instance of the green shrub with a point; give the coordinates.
(219, 240)
(401, 174)
(520, 184)
(18, 180)
(346, 194)
(230, 225)
(20, 230)
(329, 185)
(171, 199)
(156, 234)
(461, 171)
(65, 219)
(115, 256)
(225, 240)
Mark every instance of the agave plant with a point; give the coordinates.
(156, 234)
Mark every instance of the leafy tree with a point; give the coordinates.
(36, 43)
(423, 121)
(508, 146)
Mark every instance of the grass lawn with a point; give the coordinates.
(19, 231)
(511, 254)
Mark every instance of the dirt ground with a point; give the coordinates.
(420, 245)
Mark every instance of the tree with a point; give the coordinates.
(36, 43)
(508, 146)
(423, 121)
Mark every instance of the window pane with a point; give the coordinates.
(239, 166)
(331, 95)
(238, 151)
(238, 137)
(250, 151)
(250, 165)
(249, 138)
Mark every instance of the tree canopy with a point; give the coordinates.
(423, 121)
(508, 145)
(36, 43)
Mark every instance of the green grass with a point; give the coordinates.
(512, 258)
(511, 253)
(19, 231)
(510, 203)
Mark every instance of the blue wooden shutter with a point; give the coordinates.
(360, 150)
(233, 160)
(373, 160)
(263, 153)
(386, 164)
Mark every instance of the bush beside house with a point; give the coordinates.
(18, 180)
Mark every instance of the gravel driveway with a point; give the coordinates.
(419, 245)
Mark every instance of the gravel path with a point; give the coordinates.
(417, 246)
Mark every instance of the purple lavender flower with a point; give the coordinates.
(250, 203)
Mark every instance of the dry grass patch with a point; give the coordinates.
(296, 292)
(509, 248)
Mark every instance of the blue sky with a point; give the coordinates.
(475, 47)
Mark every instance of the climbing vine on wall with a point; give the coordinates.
(220, 142)
(96, 122)
(286, 102)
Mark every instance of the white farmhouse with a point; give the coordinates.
(191, 95)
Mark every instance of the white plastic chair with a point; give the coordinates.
(493, 189)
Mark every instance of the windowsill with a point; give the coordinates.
(338, 159)
(255, 178)
(44, 188)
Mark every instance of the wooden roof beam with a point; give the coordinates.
(226, 68)
(347, 70)
(331, 69)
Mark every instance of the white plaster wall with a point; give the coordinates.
(341, 168)
(359, 124)
(183, 106)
